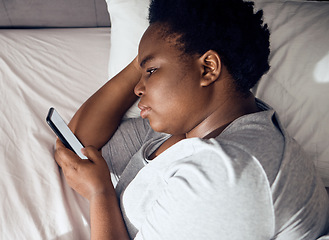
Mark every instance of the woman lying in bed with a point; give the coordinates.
(206, 160)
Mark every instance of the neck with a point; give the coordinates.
(222, 115)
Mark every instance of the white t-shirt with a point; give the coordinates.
(251, 182)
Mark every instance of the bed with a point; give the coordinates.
(59, 57)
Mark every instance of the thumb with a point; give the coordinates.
(92, 153)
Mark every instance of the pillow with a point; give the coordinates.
(128, 23)
(297, 85)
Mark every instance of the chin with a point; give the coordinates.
(165, 128)
(157, 126)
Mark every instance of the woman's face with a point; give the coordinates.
(172, 98)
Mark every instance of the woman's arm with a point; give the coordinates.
(98, 118)
(94, 124)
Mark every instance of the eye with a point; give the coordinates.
(150, 71)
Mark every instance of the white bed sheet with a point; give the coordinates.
(38, 69)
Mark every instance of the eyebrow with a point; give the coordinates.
(145, 60)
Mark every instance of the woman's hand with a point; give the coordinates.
(89, 177)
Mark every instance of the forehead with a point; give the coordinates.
(156, 41)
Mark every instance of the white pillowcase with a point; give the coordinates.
(297, 85)
(128, 23)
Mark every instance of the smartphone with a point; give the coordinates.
(64, 133)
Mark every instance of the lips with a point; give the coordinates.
(144, 110)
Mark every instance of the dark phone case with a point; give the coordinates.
(57, 132)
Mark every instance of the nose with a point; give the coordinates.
(139, 88)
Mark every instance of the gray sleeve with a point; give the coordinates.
(126, 141)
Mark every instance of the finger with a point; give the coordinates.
(65, 157)
(59, 143)
(58, 159)
(92, 153)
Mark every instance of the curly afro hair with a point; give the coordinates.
(229, 27)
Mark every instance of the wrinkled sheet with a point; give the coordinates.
(41, 68)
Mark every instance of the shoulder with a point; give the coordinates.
(260, 135)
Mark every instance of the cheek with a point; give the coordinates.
(171, 96)
(172, 109)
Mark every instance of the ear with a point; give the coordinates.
(211, 67)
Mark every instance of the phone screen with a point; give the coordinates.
(64, 133)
